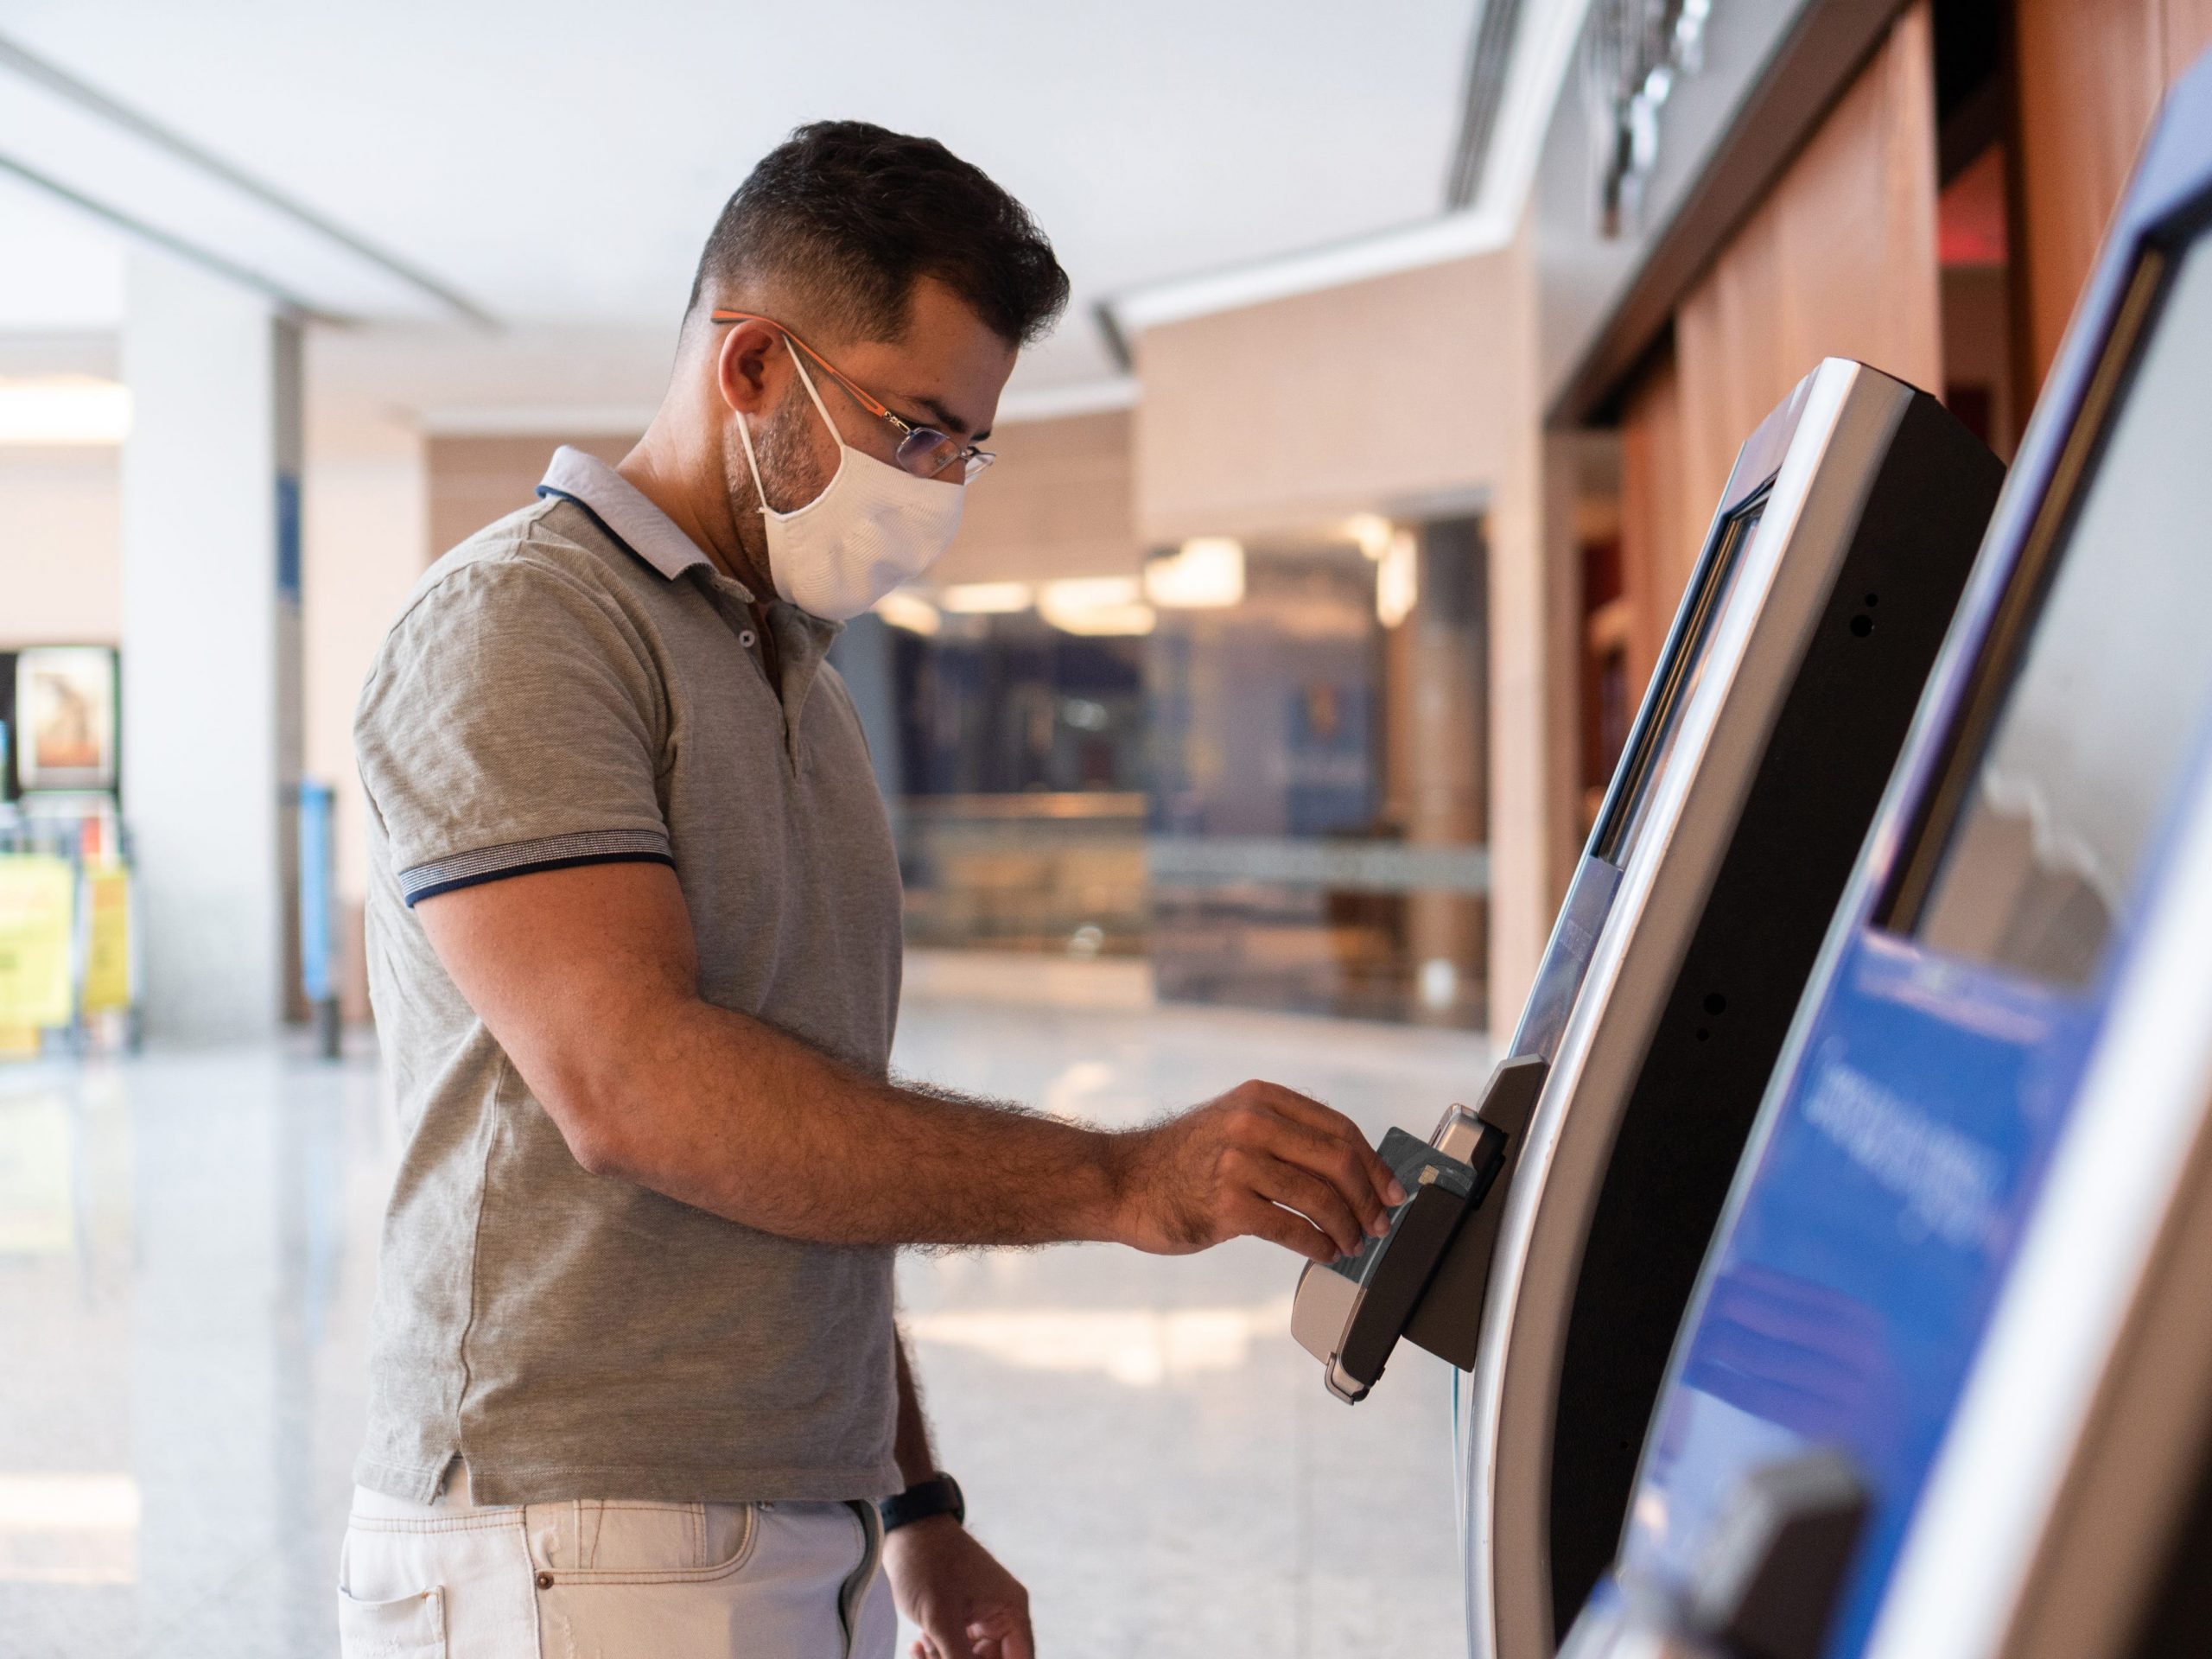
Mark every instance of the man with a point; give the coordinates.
(635, 942)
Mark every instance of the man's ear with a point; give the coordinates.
(750, 364)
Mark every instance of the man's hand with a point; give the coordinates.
(967, 1604)
(1262, 1160)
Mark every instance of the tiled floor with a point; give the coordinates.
(187, 1247)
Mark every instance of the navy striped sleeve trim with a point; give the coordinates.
(526, 857)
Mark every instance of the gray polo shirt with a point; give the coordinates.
(578, 684)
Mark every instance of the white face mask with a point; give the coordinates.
(872, 527)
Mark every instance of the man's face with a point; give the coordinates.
(947, 372)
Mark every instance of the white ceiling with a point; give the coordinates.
(559, 162)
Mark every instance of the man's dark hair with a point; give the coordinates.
(850, 216)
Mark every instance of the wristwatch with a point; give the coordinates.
(938, 1495)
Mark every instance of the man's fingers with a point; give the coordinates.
(1326, 1120)
(1342, 1167)
(1313, 1198)
(1002, 1634)
(1261, 1219)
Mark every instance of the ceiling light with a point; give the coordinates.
(985, 598)
(1095, 605)
(71, 408)
(1205, 573)
(1397, 580)
(1371, 531)
(909, 611)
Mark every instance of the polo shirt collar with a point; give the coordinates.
(624, 512)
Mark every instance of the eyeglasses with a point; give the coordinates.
(922, 450)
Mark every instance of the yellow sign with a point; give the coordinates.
(37, 915)
(107, 945)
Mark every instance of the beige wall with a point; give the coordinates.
(1535, 588)
(60, 570)
(1275, 415)
(474, 481)
(1058, 503)
(1398, 393)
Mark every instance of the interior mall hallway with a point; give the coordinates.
(186, 1260)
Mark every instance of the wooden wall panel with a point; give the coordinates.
(1839, 261)
(1658, 544)
(2088, 81)
(2188, 35)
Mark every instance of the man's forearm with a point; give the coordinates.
(719, 1110)
(587, 977)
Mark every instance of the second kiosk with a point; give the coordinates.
(1947, 1386)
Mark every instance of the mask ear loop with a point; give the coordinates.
(807, 380)
(744, 430)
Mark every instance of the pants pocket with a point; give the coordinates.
(408, 1627)
(617, 1543)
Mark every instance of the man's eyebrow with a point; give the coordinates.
(945, 420)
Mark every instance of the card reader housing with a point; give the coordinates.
(1425, 1278)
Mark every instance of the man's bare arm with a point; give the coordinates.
(951, 1587)
(588, 978)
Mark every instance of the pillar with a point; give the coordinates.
(1448, 783)
(212, 693)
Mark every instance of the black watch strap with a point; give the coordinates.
(939, 1495)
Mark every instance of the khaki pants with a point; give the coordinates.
(611, 1578)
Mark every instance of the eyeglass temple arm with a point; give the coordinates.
(867, 401)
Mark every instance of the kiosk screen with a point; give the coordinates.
(2043, 836)
(1674, 683)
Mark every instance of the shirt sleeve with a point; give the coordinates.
(511, 724)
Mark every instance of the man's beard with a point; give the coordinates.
(788, 468)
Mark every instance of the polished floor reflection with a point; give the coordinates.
(187, 1251)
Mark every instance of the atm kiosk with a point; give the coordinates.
(1944, 1388)
(1554, 1233)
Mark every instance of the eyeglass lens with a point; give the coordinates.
(926, 451)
